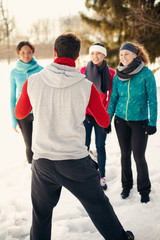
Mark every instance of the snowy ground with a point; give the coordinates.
(70, 221)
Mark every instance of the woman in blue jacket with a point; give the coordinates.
(25, 66)
(134, 103)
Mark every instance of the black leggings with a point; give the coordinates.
(131, 136)
(26, 129)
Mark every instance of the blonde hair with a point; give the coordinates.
(141, 52)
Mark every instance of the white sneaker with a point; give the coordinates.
(103, 183)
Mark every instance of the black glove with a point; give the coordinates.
(150, 130)
(108, 129)
(90, 119)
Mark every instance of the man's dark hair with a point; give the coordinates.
(67, 45)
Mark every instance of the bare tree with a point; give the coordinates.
(46, 29)
(145, 18)
(36, 31)
(42, 31)
(6, 27)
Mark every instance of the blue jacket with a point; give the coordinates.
(17, 78)
(136, 98)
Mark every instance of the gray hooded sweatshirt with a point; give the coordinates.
(59, 96)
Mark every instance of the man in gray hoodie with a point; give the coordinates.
(59, 96)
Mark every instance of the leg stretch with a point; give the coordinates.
(45, 195)
(82, 179)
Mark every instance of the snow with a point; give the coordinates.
(70, 220)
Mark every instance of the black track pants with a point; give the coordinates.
(131, 136)
(82, 179)
(26, 129)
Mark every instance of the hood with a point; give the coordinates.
(61, 76)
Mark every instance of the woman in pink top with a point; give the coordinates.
(98, 72)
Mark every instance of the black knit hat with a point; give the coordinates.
(129, 47)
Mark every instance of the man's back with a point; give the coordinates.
(59, 96)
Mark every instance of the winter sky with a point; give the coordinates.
(27, 12)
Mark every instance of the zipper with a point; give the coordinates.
(127, 99)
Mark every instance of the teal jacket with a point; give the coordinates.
(17, 78)
(136, 98)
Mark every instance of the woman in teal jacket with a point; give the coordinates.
(134, 103)
(25, 66)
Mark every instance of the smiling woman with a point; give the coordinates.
(126, 57)
(134, 103)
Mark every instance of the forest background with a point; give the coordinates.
(107, 21)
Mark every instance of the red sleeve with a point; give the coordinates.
(23, 106)
(96, 107)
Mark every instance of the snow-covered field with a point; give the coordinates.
(70, 221)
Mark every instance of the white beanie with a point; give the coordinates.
(97, 47)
